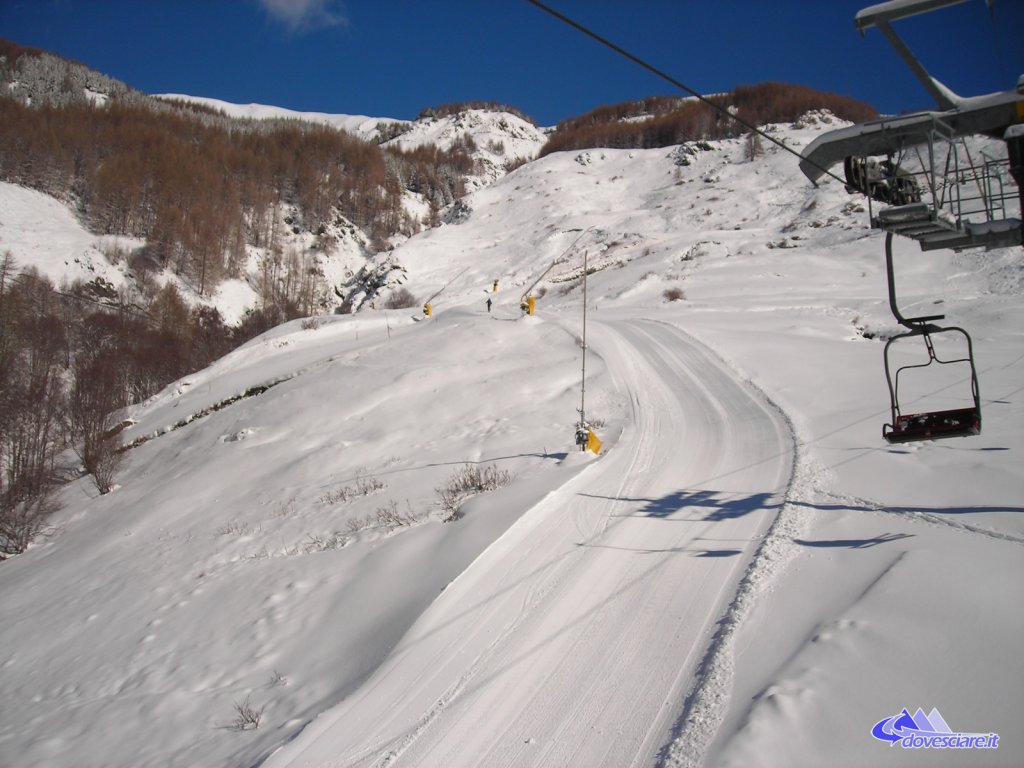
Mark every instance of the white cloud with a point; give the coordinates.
(300, 15)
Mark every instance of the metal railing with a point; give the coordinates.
(953, 182)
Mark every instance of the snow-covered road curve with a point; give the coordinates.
(577, 638)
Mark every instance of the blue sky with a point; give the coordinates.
(392, 58)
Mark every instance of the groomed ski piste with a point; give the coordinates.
(746, 575)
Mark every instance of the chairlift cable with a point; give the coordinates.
(995, 40)
(129, 308)
(667, 78)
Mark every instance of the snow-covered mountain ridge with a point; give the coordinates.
(496, 140)
(361, 125)
(335, 249)
(485, 127)
(737, 580)
(292, 223)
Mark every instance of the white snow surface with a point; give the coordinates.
(501, 137)
(747, 574)
(40, 231)
(361, 125)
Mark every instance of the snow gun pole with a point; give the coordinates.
(524, 300)
(583, 378)
(585, 437)
(428, 308)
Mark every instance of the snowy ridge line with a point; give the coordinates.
(707, 702)
(592, 269)
(255, 391)
(530, 518)
(386, 754)
(854, 502)
(441, 704)
(935, 519)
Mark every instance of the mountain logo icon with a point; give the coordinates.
(921, 731)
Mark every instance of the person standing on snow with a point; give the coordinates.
(488, 305)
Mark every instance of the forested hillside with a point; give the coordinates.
(196, 186)
(666, 121)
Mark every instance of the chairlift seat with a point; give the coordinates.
(911, 212)
(959, 422)
(1004, 233)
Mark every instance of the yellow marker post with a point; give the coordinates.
(494, 288)
(531, 305)
(427, 309)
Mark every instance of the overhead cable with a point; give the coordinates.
(667, 78)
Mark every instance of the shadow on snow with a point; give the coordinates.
(854, 543)
(715, 505)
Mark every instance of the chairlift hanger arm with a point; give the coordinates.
(916, 324)
(989, 115)
(880, 15)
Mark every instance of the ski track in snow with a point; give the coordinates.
(609, 592)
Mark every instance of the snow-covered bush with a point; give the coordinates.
(401, 299)
(247, 717)
(364, 485)
(674, 294)
(469, 481)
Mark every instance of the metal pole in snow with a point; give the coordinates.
(583, 383)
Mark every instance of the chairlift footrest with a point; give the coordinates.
(959, 422)
(917, 221)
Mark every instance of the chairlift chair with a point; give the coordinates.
(931, 425)
(927, 425)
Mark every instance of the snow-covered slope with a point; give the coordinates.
(40, 231)
(747, 575)
(500, 139)
(361, 125)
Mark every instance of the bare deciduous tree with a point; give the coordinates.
(753, 147)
